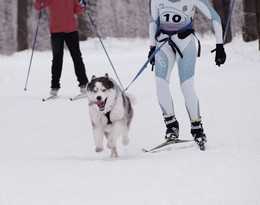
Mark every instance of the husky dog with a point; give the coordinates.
(111, 112)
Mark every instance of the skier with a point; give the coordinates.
(172, 21)
(64, 28)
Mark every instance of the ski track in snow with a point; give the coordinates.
(47, 151)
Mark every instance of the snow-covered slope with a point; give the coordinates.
(47, 150)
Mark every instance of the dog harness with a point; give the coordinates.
(108, 118)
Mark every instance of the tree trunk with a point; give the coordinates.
(250, 25)
(22, 31)
(85, 27)
(258, 20)
(223, 9)
(8, 41)
(2, 27)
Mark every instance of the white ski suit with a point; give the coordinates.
(173, 19)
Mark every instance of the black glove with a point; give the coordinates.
(220, 57)
(152, 49)
(82, 3)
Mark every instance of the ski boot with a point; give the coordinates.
(172, 125)
(198, 134)
(83, 89)
(54, 91)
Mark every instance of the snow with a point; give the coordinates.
(47, 152)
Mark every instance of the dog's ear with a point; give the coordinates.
(93, 77)
(106, 75)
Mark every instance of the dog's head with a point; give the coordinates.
(101, 92)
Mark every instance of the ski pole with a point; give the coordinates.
(94, 26)
(229, 20)
(33, 48)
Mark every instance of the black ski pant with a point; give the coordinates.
(72, 42)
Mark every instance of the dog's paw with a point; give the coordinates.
(110, 144)
(114, 153)
(125, 141)
(99, 149)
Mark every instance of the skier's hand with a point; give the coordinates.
(152, 49)
(82, 3)
(220, 56)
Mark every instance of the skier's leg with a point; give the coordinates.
(57, 43)
(186, 67)
(186, 73)
(164, 62)
(72, 41)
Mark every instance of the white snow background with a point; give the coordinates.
(47, 152)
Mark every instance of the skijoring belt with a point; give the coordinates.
(182, 34)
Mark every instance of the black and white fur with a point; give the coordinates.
(111, 112)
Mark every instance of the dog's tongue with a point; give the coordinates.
(98, 103)
(94, 102)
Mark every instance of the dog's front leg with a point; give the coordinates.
(114, 153)
(98, 136)
(116, 131)
(111, 144)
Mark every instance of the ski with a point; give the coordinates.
(168, 142)
(49, 98)
(79, 96)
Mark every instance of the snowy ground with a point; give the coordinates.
(47, 151)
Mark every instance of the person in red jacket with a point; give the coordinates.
(64, 28)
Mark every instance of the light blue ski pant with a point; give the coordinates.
(164, 63)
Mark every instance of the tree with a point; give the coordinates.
(123, 18)
(1, 27)
(251, 28)
(113, 18)
(43, 35)
(258, 20)
(251, 15)
(22, 32)
(223, 9)
(8, 27)
(85, 27)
